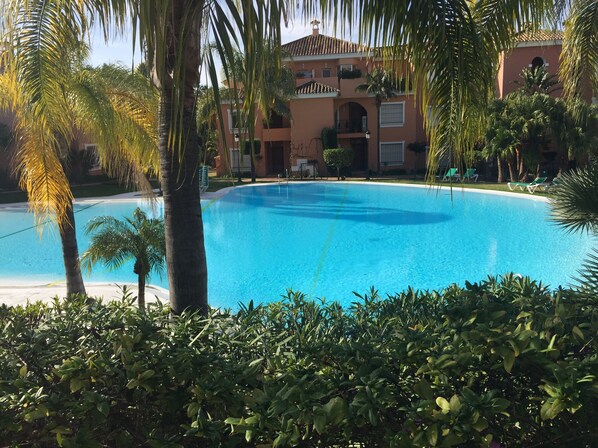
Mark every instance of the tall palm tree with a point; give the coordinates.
(273, 94)
(452, 47)
(381, 84)
(107, 105)
(114, 242)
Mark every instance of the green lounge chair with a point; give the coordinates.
(470, 175)
(204, 178)
(554, 184)
(450, 175)
(529, 186)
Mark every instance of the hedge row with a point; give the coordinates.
(503, 363)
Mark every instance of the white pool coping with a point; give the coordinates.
(17, 291)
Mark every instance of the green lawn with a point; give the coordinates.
(109, 188)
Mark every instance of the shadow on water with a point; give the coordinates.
(329, 204)
(373, 215)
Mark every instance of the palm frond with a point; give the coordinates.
(579, 58)
(575, 200)
(588, 274)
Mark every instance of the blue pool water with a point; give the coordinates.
(329, 239)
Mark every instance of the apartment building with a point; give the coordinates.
(327, 72)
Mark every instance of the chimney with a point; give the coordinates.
(315, 27)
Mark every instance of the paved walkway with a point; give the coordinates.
(19, 293)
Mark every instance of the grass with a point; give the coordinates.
(97, 189)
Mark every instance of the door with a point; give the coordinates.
(276, 159)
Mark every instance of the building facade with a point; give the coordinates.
(327, 71)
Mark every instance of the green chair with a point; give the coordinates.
(450, 175)
(204, 178)
(470, 175)
(554, 184)
(529, 186)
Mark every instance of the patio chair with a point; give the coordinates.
(450, 175)
(470, 175)
(553, 185)
(204, 178)
(529, 186)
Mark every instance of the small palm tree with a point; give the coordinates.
(116, 242)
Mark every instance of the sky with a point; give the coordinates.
(120, 51)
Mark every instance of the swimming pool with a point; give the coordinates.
(329, 239)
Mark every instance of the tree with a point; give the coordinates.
(381, 84)
(273, 94)
(107, 105)
(114, 242)
(580, 48)
(452, 48)
(338, 158)
(537, 80)
(575, 208)
(417, 148)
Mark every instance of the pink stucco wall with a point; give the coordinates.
(521, 57)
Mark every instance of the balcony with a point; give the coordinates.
(277, 135)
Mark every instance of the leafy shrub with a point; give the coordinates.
(329, 138)
(338, 158)
(501, 362)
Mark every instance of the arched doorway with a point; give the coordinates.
(351, 117)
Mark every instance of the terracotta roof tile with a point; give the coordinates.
(320, 45)
(540, 36)
(314, 88)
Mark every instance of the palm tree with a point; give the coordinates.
(108, 106)
(580, 48)
(114, 242)
(452, 48)
(575, 208)
(272, 95)
(537, 80)
(381, 84)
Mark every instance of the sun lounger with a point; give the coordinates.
(204, 178)
(553, 185)
(470, 174)
(450, 175)
(529, 186)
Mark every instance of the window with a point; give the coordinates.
(304, 74)
(392, 153)
(326, 73)
(239, 160)
(234, 120)
(392, 115)
(347, 67)
(538, 62)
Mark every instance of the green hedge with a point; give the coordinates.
(502, 363)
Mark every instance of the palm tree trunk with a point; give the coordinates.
(141, 291)
(70, 254)
(501, 175)
(252, 167)
(378, 104)
(512, 171)
(179, 163)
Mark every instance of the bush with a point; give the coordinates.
(505, 362)
(338, 158)
(329, 138)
